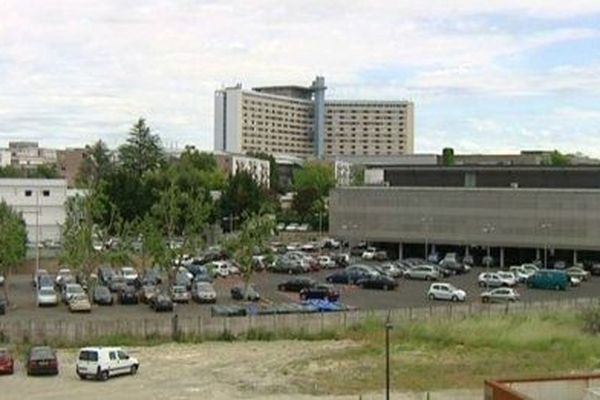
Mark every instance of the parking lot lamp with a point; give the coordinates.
(545, 226)
(388, 328)
(426, 221)
(487, 230)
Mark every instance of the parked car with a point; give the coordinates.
(341, 277)
(2, 306)
(578, 272)
(502, 294)
(151, 276)
(521, 273)
(147, 292)
(41, 360)
(320, 292)
(36, 276)
(220, 269)
(104, 362)
(446, 291)
(289, 266)
(453, 266)
(105, 274)
(160, 302)
(326, 262)
(560, 265)
(548, 279)
(46, 296)
(130, 274)
(64, 277)
(237, 293)
(382, 282)
(128, 295)
(79, 303)
(204, 292)
(490, 279)
(468, 260)
(595, 269)
(7, 363)
(427, 272)
(508, 278)
(341, 259)
(369, 253)
(117, 283)
(391, 269)
(45, 281)
(180, 294)
(71, 289)
(296, 284)
(102, 296)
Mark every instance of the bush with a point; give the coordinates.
(591, 320)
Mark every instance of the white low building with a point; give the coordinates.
(41, 202)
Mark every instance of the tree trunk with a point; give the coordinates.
(6, 284)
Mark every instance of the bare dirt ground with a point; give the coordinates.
(217, 370)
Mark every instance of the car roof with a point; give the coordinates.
(100, 348)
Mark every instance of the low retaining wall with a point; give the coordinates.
(74, 331)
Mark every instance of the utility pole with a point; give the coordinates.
(388, 328)
(426, 220)
(545, 226)
(487, 230)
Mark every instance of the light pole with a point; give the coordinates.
(388, 328)
(487, 230)
(426, 221)
(545, 226)
(37, 213)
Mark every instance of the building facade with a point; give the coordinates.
(28, 155)
(259, 169)
(41, 202)
(299, 121)
(69, 164)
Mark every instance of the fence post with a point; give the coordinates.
(175, 327)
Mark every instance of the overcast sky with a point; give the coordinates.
(485, 76)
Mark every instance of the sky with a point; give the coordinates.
(486, 76)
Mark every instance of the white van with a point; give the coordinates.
(104, 362)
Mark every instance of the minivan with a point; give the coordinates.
(548, 279)
(104, 362)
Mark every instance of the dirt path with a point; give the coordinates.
(248, 370)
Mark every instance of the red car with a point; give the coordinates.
(7, 363)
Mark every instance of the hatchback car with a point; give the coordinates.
(102, 296)
(578, 272)
(320, 292)
(46, 296)
(326, 262)
(237, 293)
(41, 360)
(502, 294)
(382, 282)
(161, 302)
(180, 294)
(130, 274)
(79, 303)
(64, 277)
(204, 292)
(446, 291)
(7, 363)
(296, 284)
(104, 362)
(490, 279)
(127, 295)
(427, 272)
(70, 290)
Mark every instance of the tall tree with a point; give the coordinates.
(312, 184)
(95, 166)
(242, 197)
(252, 235)
(13, 242)
(143, 151)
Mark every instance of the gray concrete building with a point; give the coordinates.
(551, 213)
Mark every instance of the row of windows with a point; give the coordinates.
(45, 193)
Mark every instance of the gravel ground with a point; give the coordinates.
(219, 371)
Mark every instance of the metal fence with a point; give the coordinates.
(75, 331)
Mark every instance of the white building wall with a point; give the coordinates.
(5, 158)
(258, 168)
(219, 127)
(30, 196)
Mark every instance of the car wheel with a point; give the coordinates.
(81, 376)
(454, 298)
(485, 299)
(280, 288)
(385, 287)
(481, 284)
(362, 285)
(431, 296)
(134, 369)
(557, 287)
(427, 278)
(104, 376)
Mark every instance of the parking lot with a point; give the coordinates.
(409, 293)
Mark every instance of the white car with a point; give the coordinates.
(104, 362)
(326, 262)
(369, 253)
(490, 279)
(70, 290)
(292, 227)
(1, 279)
(64, 276)
(521, 273)
(532, 268)
(500, 295)
(220, 268)
(508, 278)
(129, 273)
(46, 296)
(80, 302)
(446, 291)
(293, 246)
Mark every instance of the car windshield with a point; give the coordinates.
(179, 289)
(87, 355)
(79, 297)
(47, 291)
(42, 353)
(76, 289)
(101, 290)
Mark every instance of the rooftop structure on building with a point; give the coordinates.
(299, 121)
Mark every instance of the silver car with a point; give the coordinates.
(500, 295)
(427, 272)
(46, 296)
(179, 294)
(204, 292)
(70, 290)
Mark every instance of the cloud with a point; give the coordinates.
(74, 71)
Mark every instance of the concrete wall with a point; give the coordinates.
(563, 219)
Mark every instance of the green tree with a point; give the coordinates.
(95, 166)
(312, 184)
(154, 250)
(253, 235)
(241, 197)
(559, 159)
(13, 243)
(44, 171)
(448, 156)
(357, 175)
(143, 151)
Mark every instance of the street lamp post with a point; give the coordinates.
(37, 213)
(487, 230)
(545, 226)
(388, 328)
(426, 220)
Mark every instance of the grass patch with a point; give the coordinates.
(454, 354)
